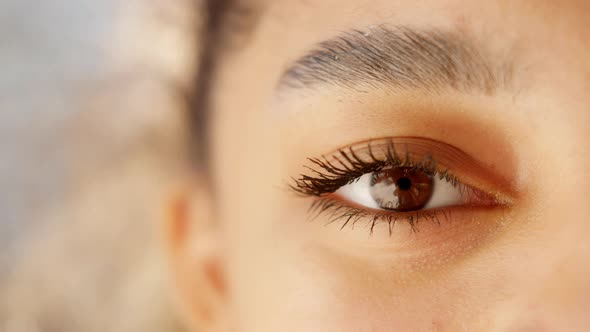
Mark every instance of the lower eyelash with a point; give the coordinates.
(338, 211)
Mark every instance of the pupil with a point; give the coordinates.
(404, 183)
(401, 189)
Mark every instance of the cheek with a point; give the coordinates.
(280, 281)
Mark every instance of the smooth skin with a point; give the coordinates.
(246, 257)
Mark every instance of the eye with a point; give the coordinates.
(399, 179)
(401, 189)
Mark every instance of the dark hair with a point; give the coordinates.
(222, 21)
(208, 37)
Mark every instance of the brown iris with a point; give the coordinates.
(401, 188)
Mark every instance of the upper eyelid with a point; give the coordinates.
(450, 161)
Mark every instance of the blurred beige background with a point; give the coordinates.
(92, 136)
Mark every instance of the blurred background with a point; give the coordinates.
(92, 136)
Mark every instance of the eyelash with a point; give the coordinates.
(347, 167)
(350, 215)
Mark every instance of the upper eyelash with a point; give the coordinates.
(347, 167)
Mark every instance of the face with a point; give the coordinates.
(401, 166)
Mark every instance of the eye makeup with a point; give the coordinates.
(397, 179)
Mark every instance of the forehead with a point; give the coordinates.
(537, 37)
(318, 20)
(386, 9)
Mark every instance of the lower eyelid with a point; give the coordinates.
(341, 209)
(457, 230)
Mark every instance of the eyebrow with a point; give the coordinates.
(400, 57)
